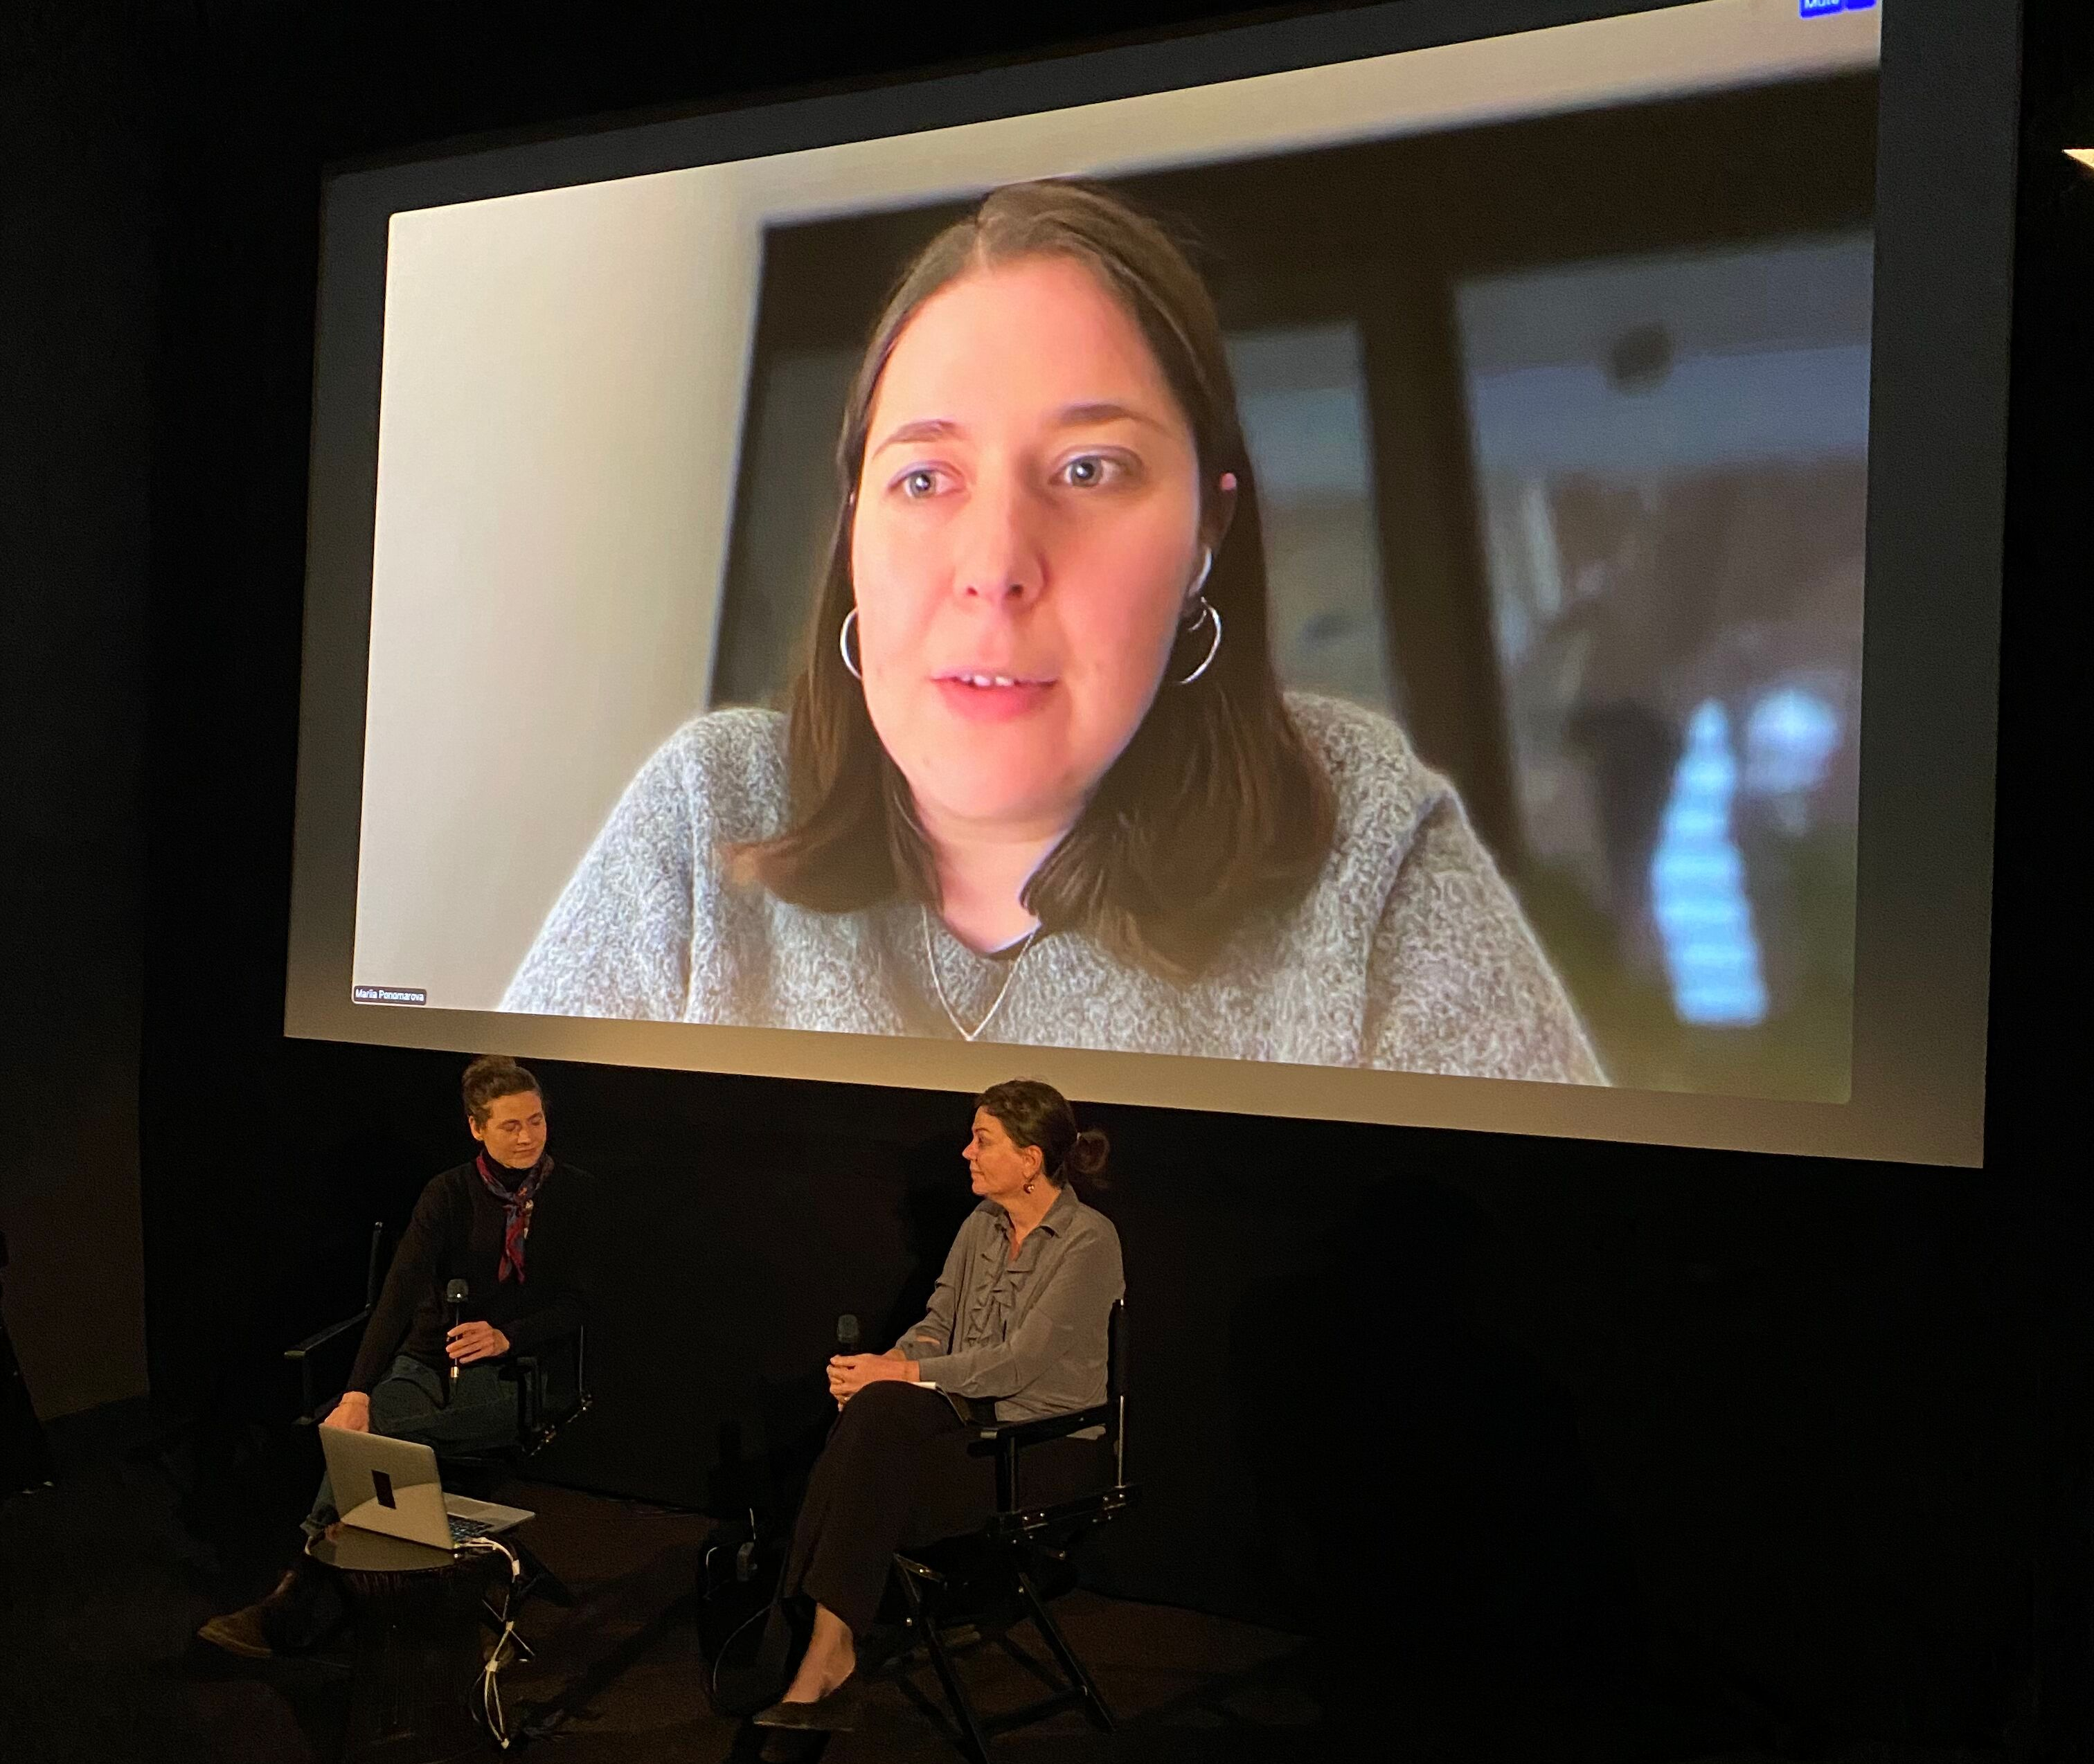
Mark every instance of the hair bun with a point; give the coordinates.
(1087, 1156)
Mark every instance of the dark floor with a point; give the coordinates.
(104, 1579)
(103, 1587)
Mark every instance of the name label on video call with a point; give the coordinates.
(1814, 9)
(388, 994)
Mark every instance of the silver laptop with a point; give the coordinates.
(393, 1486)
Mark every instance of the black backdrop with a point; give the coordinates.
(1816, 1432)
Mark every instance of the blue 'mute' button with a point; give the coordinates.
(1811, 9)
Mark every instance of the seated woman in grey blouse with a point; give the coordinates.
(1039, 782)
(1020, 1318)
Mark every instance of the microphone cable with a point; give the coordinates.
(490, 1713)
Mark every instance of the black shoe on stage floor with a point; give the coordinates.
(834, 1712)
(293, 1620)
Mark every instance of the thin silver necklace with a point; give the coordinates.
(938, 986)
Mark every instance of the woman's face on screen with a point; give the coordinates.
(1025, 535)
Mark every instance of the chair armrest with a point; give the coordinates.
(300, 1356)
(1010, 1439)
(1023, 1434)
(320, 1339)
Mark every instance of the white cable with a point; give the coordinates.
(490, 1687)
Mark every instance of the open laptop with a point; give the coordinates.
(393, 1486)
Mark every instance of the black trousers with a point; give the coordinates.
(898, 1472)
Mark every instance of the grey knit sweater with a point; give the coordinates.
(1409, 953)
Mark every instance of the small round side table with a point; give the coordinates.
(417, 1616)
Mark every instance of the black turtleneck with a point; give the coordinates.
(456, 1233)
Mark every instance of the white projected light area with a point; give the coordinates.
(1336, 590)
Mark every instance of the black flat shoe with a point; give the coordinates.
(834, 1713)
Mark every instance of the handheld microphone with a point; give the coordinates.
(847, 1336)
(455, 1294)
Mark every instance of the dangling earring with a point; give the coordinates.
(843, 644)
(1206, 613)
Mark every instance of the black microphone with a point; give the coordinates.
(455, 1295)
(847, 1337)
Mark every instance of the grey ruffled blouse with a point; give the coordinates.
(1028, 1331)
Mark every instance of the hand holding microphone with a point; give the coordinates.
(848, 1340)
(465, 1342)
(455, 1295)
(852, 1369)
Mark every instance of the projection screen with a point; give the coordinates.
(1344, 568)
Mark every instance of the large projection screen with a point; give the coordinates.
(1616, 407)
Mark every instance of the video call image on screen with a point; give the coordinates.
(1356, 567)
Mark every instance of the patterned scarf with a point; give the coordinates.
(517, 1202)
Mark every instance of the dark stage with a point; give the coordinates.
(107, 1578)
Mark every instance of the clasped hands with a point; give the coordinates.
(469, 1342)
(850, 1373)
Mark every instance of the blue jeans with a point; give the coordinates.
(408, 1403)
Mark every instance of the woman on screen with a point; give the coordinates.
(1039, 783)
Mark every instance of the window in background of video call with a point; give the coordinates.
(1559, 423)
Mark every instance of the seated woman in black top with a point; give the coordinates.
(500, 1223)
(1020, 1318)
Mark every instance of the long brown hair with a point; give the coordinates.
(1217, 809)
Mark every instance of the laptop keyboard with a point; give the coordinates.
(463, 1528)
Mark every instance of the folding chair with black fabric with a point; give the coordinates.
(995, 1579)
(552, 1390)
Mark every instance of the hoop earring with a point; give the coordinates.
(843, 644)
(1207, 612)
